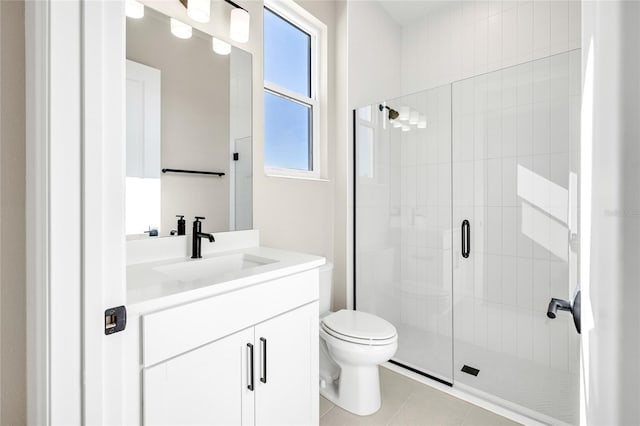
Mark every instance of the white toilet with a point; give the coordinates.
(352, 345)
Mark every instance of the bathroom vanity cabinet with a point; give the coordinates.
(245, 355)
(260, 375)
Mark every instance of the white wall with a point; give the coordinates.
(342, 240)
(375, 57)
(12, 215)
(468, 38)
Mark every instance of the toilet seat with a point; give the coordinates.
(359, 327)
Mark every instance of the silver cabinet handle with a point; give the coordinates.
(263, 356)
(250, 366)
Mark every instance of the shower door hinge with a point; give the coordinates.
(235, 156)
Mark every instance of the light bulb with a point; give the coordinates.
(221, 47)
(404, 113)
(405, 128)
(199, 10)
(134, 9)
(413, 117)
(180, 29)
(422, 122)
(397, 124)
(239, 26)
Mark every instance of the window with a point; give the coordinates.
(291, 107)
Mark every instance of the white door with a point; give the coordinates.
(204, 386)
(75, 209)
(287, 368)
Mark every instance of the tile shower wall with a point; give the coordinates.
(468, 38)
(515, 168)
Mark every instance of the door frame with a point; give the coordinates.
(75, 209)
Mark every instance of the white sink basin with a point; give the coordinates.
(213, 267)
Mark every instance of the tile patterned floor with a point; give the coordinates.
(407, 402)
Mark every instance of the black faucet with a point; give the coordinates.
(196, 243)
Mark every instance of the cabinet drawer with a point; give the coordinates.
(173, 331)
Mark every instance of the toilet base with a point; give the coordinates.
(357, 390)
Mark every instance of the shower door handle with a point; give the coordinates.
(466, 238)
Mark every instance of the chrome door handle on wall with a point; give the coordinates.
(249, 366)
(263, 357)
(565, 305)
(466, 238)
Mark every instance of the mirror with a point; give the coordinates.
(189, 135)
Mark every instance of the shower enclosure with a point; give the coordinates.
(466, 202)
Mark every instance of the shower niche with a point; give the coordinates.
(466, 200)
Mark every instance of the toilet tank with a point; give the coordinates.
(326, 287)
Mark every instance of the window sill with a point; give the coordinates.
(301, 177)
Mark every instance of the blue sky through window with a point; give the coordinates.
(287, 63)
(286, 133)
(287, 54)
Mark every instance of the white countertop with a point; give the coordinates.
(147, 286)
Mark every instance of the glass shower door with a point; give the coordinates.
(515, 179)
(403, 224)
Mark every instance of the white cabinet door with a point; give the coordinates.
(205, 386)
(287, 389)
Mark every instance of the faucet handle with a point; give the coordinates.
(200, 218)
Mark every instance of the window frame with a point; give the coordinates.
(291, 13)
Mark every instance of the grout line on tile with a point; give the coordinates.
(404, 403)
(328, 411)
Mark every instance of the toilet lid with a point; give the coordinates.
(359, 325)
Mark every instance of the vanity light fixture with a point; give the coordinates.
(180, 29)
(198, 10)
(134, 9)
(239, 25)
(221, 47)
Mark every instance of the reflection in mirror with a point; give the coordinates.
(188, 109)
